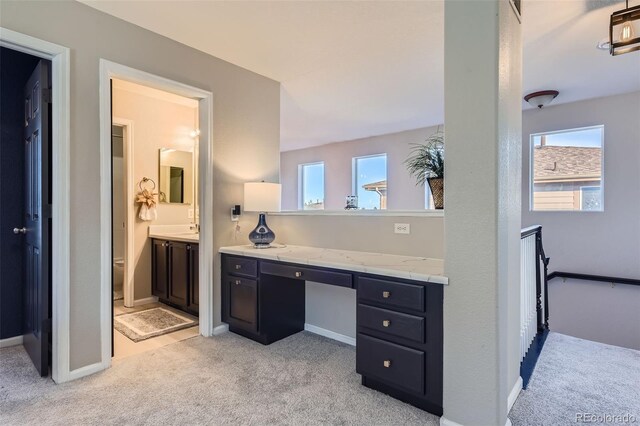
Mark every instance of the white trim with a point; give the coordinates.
(513, 395)
(109, 70)
(359, 213)
(60, 230)
(145, 301)
(330, 334)
(128, 286)
(531, 168)
(87, 370)
(11, 341)
(221, 329)
(447, 422)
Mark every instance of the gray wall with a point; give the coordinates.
(403, 193)
(599, 243)
(246, 119)
(596, 311)
(334, 308)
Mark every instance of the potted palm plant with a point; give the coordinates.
(426, 164)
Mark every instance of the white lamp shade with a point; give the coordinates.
(262, 197)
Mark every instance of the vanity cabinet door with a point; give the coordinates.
(160, 272)
(241, 303)
(194, 282)
(179, 271)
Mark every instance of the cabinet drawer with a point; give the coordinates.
(396, 365)
(241, 266)
(391, 293)
(392, 323)
(309, 274)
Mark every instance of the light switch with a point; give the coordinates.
(190, 214)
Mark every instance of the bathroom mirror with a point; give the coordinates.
(176, 176)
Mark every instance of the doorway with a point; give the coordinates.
(108, 71)
(26, 194)
(155, 220)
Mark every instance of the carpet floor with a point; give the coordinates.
(302, 380)
(576, 377)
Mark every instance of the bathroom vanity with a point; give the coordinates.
(399, 310)
(175, 269)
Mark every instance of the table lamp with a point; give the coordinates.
(262, 197)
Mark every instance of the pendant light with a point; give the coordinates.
(624, 30)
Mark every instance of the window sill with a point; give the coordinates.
(360, 213)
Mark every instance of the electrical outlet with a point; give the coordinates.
(401, 228)
(190, 214)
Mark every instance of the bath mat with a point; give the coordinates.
(153, 322)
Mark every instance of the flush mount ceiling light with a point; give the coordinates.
(542, 98)
(624, 30)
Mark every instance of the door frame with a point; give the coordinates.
(129, 256)
(60, 175)
(108, 71)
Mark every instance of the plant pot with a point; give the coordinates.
(437, 191)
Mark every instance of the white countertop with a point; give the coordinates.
(408, 267)
(182, 233)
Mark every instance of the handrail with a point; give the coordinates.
(542, 279)
(588, 277)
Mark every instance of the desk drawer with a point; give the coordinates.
(394, 364)
(391, 293)
(392, 323)
(308, 274)
(241, 266)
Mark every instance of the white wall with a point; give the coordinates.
(246, 118)
(483, 86)
(157, 123)
(403, 193)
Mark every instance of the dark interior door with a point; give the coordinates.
(37, 207)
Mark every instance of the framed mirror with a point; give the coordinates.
(176, 176)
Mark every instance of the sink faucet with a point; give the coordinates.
(195, 227)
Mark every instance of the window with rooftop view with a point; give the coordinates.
(566, 170)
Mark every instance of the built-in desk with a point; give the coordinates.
(399, 312)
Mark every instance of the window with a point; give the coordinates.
(566, 170)
(311, 184)
(370, 181)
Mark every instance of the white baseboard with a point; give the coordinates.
(86, 370)
(145, 301)
(513, 395)
(10, 341)
(330, 334)
(447, 422)
(220, 329)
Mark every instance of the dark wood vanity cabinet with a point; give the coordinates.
(399, 322)
(175, 273)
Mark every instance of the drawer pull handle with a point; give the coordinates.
(238, 282)
(386, 323)
(386, 294)
(386, 363)
(298, 274)
(238, 266)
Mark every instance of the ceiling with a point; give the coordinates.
(355, 69)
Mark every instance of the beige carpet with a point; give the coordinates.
(302, 380)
